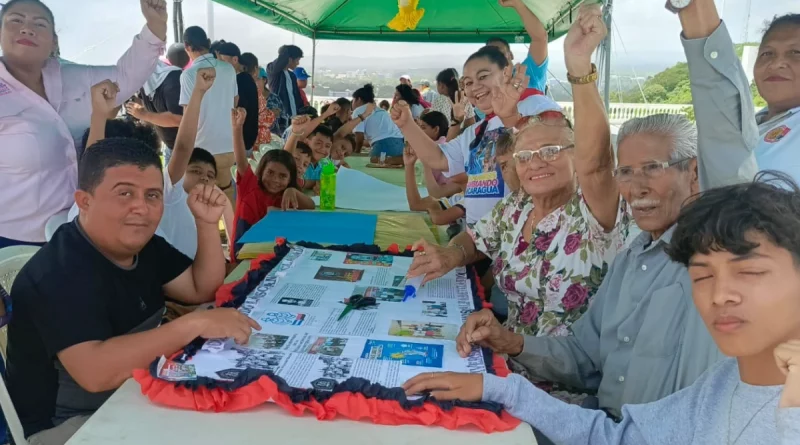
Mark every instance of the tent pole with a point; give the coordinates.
(313, 65)
(210, 18)
(607, 55)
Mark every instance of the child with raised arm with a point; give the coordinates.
(319, 137)
(177, 224)
(434, 124)
(273, 184)
(443, 211)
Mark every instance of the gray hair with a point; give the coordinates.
(675, 126)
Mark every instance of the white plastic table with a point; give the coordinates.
(129, 418)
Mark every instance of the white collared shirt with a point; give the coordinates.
(38, 137)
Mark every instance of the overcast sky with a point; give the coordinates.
(98, 31)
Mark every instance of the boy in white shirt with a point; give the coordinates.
(177, 224)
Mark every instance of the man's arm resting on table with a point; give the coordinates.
(199, 283)
(668, 420)
(99, 366)
(727, 131)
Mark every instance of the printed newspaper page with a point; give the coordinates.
(304, 341)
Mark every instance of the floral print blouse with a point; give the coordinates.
(265, 120)
(549, 281)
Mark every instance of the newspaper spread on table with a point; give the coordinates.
(303, 341)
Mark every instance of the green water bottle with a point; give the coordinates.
(327, 187)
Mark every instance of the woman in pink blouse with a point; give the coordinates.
(45, 107)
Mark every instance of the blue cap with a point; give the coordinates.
(301, 73)
(262, 73)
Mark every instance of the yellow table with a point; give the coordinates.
(401, 228)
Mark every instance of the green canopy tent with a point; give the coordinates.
(444, 21)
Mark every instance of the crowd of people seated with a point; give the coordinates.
(611, 338)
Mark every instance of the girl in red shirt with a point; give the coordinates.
(273, 184)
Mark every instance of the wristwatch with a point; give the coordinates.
(677, 6)
(584, 80)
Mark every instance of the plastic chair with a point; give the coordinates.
(54, 223)
(11, 261)
(253, 164)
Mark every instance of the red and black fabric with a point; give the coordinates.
(355, 398)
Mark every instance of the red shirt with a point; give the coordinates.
(252, 204)
(304, 97)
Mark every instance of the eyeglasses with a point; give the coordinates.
(547, 154)
(650, 170)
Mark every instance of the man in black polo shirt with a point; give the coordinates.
(161, 95)
(87, 306)
(248, 92)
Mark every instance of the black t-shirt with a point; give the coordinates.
(67, 294)
(248, 99)
(165, 99)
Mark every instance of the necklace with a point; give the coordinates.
(730, 415)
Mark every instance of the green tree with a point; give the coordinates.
(655, 93)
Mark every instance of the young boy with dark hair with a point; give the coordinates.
(319, 137)
(302, 157)
(176, 225)
(741, 244)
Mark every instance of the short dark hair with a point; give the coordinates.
(343, 102)
(128, 128)
(309, 110)
(229, 49)
(113, 152)
(200, 155)
(385, 103)
(249, 62)
(407, 94)
(790, 20)
(281, 157)
(176, 54)
(721, 219)
(214, 47)
(303, 148)
(323, 130)
(365, 93)
(436, 119)
(196, 39)
(351, 138)
(499, 40)
(490, 53)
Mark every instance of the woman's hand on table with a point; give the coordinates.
(433, 261)
(447, 386)
(483, 329)
(224, 323)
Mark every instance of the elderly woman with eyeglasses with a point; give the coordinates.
(552, 241)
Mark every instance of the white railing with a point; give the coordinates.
(618, 113)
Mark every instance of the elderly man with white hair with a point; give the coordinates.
(641, 338)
